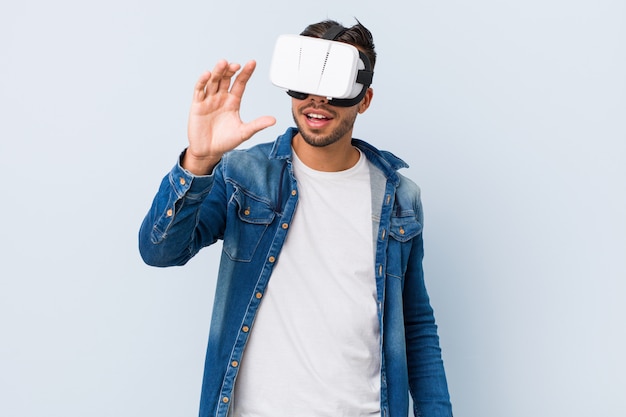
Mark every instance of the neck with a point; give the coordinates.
(335, 157)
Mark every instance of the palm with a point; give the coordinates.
(215, 125)
(218, 119)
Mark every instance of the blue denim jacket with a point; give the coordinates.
(248, 202)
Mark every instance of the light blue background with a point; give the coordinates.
(510, 113)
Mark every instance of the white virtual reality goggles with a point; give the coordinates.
(304, 65)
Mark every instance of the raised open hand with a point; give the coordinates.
(215, 125)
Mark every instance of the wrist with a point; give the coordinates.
(198, 166)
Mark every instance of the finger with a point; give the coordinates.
(198, 91)
(239, 85)
(216, 76)
(227, 75)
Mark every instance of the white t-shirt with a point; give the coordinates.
(315, 345)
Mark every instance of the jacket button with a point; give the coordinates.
(182, 181)
(169, 212)
(225, 400)
(246, 212)
(401, 231)
(258, 295)
(285, 225)
(271, 259)
(234, 364)
(245, 329)
(294, 192)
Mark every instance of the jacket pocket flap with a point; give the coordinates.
(251, 210)
(404, 228)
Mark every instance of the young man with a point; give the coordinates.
(320, 306)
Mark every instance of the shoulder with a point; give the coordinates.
(409, 194)
(260, 151)
(408, 187)
(242, 161)
(272, 152)
(254, 171)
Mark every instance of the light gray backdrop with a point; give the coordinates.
(510, 113)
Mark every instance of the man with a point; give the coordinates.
(320, 306)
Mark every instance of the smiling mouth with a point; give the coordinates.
(316, 116)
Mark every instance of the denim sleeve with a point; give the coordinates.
(427, 379)
(187, 214)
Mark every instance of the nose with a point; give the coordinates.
(319, 99)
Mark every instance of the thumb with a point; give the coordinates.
(257, 125)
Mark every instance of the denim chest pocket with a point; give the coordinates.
(402, 232)
(405, 228)
(247, 221)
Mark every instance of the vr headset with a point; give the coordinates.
(304, 65)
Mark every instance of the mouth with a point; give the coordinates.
(317, 118)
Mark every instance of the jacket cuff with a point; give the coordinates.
(189, 185)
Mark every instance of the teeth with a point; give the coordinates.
(315, 116)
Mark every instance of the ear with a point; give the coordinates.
(367, 100)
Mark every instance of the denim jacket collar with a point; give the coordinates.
(387, 162)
